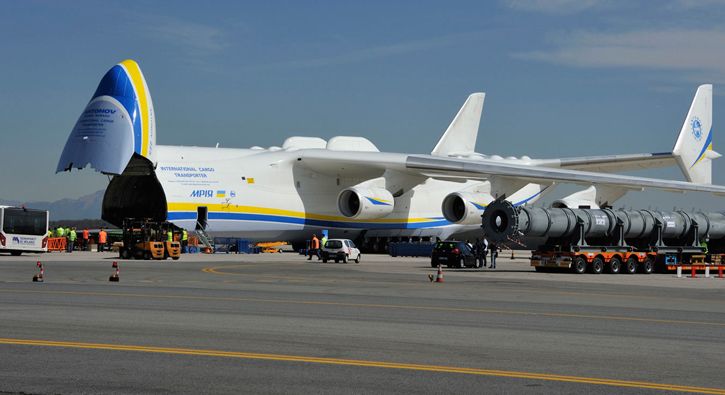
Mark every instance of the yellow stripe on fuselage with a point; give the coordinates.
(232, 208)
(138, 83)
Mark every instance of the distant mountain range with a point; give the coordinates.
(85, 207)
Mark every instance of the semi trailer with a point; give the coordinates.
(616, 241)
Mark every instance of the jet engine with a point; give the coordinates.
(465, 208)
(365, 203)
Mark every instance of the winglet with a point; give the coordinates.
(460, 137)
(693, 148)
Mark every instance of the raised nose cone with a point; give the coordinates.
(117, 122)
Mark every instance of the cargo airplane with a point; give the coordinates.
(344, 184)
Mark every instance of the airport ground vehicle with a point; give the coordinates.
(144, 239)
(23, 230)
(340, 250)
(452, 253)
(615, 241)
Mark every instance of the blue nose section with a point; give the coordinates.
(109, 130)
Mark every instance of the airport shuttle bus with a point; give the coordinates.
(23, 230)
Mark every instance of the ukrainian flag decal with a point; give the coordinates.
(221, 194)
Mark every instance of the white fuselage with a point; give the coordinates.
(262, 195)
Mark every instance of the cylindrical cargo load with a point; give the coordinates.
(501, 221)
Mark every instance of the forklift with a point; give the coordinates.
(146, 239)
(172, 248)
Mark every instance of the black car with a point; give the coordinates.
(452, 253)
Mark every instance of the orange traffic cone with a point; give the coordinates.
(439, 276)
(38, 278)
(114, 277)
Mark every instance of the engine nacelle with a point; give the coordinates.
(365, 203)
(465, 208)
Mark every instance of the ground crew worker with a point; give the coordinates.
(323, 241)
(86, 236)
(59, 232)
(184, 240)
(102, 238)
(314, 248)
(169, 235)
(494, 254)
(72, 237)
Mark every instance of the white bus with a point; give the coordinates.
(23, 230)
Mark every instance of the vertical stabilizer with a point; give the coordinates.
(693, 148)
(460, 137)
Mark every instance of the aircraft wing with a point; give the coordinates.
(613, 163)
(538, 174)
(359, 163)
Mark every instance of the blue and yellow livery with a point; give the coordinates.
(117, 123)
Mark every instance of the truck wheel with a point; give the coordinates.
(648, 266)
(344, 258)
(631, 266)
(357, 260)
(147, 255)
(597, 265)
(580, 265)
(615, 265)
(125, 253)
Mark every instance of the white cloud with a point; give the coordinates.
(552, 6)
(697, 53)
(381, 51)
(196, 37)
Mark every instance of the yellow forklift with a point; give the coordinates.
(140, 240)
(171, 237)
(146, 239)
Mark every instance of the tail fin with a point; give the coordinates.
(693, 149)
(117, 124)
(460, 137)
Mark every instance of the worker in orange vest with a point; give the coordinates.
(85, 239)
(102, 238)
(314, 248)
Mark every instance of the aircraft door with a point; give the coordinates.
(202, 213)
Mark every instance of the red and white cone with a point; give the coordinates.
(115, 276)
(38, 278)
(439, 276)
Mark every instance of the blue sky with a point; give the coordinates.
(562, 77)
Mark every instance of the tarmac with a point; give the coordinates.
(277, 323)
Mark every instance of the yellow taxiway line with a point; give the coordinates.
(364, 363)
